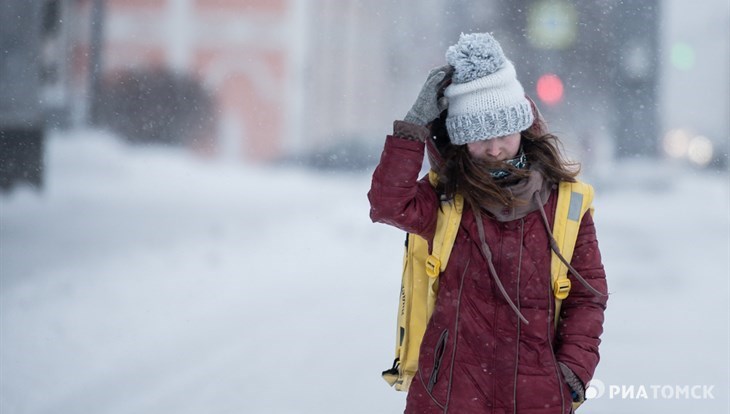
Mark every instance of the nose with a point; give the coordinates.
(491, 149)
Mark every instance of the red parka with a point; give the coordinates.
(476, 355)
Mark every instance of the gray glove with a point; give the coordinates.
(428, 107)
(575, 384)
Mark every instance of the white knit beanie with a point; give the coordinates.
(485, 98)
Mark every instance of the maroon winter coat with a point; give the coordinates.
(476, 356)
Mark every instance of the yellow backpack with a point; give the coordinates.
(419, 286)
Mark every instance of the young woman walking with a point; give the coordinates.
(491, 345)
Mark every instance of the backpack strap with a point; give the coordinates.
(447, 224)
(418, 291)
(574, 199)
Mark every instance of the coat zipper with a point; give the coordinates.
(519, 324)
(438, 355)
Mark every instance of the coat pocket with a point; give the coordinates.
(438, 355)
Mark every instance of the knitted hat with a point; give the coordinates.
(485, 98)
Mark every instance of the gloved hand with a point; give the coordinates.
(575, 384)
(428, 105)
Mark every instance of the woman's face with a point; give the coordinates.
(496, 149)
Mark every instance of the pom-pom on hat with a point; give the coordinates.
(485, 98)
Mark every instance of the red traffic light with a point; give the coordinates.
(550, 88)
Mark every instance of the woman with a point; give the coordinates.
(490, 345)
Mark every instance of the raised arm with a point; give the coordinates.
(396, 195)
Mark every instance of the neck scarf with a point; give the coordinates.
(520, 161)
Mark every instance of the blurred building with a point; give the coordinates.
(293, 77)
(364, 65)
(290, 77)
(244, 52)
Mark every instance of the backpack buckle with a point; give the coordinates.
(433, 266)
(561, 288)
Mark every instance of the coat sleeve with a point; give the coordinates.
(396, 195)
(581, 322)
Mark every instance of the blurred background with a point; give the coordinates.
(281, 80)
(183, 221)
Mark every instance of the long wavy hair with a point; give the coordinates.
(460, 173)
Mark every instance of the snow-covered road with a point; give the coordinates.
(150, 281)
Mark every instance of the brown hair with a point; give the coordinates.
(463, 174)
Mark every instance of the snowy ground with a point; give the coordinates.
(149, 281)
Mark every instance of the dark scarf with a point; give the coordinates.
(520, 161)
(523, 191)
